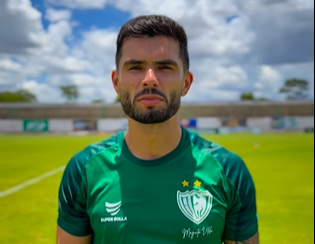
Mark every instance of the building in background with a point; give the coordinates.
(256, 117)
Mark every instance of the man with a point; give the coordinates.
(157, 183)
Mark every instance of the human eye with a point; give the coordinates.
(165, 67)
(136, 68)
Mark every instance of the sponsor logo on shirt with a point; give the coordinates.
(113, 209)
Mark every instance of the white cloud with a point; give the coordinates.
(44, 92)
(19, 23)
(54, 15)
(33, 51)
(243, 45)
(213, 75)
(222, 95)
(7, 65)
(80, 4)
(269, 81)
(254, 6)
(268, 74)
(54, 41)
(204, 21)
(214, 81)
(284, 31)
(235, 46)
(99, 45)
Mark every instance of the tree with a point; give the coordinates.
(71, 93)
(248, 96)
(98, 101)
(262, 99)
(295, 89)
(22, 96)
(117, 100)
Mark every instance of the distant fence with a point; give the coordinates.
(217, 118)
(214, 110)
(215, 125)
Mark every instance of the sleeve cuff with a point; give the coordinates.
(74, 226)
(251, 231)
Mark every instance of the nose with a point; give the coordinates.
(150, 81)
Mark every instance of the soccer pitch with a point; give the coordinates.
(282, 166)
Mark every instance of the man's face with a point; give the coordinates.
(151, 79)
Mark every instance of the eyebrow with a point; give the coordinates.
(133, 62)
(142, 62)
(167, 62)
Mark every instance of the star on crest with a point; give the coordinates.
(185, 183)
(197, 184)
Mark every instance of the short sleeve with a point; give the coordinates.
(72, 215)
(241, 219)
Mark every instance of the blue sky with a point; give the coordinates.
(108, 17)
(235, 47)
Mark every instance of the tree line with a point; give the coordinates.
(293, 89)
(70, 93)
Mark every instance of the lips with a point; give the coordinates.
(150, 97)
(150, 100)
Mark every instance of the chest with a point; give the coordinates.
(171, 208)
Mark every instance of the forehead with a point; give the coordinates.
(150, 49)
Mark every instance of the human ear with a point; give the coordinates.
(115, 81)
(187, 83)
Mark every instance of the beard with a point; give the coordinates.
(150, 115)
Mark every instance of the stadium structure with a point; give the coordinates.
(229, 117)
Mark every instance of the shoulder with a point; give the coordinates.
(74, 174)
(73, 188)
(232, 164)
(241, 221)
(82, 158)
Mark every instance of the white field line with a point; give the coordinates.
(30, 182)
(55, 171)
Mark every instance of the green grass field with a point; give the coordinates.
(282, 167)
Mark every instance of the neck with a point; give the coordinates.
(149, 142)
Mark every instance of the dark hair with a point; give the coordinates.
(152, 26)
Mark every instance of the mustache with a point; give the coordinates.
(150, 92)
